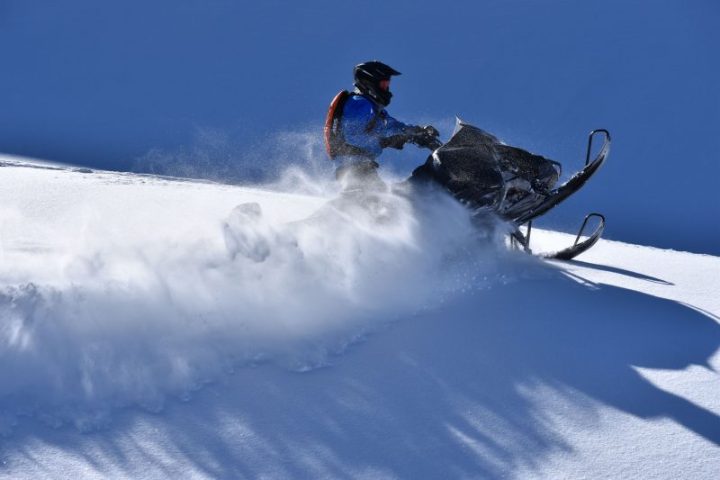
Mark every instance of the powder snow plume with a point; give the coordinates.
(126, 290)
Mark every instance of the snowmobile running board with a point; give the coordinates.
(578, 247)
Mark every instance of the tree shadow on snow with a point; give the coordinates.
(442, 395)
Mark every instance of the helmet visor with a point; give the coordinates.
(385, 85)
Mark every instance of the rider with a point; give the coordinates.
(358, 127)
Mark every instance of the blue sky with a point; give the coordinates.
(101, 84)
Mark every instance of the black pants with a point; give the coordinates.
(360, 173)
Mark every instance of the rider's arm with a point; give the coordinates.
(393, 127)
(398, 133)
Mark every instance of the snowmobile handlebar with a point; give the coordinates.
(431, 142)
(434, 144)
(423, 136)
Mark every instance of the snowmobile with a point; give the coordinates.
(488, 176)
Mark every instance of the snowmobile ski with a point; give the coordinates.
(523, 240)
(580, 247)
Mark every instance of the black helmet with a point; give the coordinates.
(368, 76)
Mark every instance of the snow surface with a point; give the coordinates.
(163, 328)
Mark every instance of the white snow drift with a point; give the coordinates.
(120, 290)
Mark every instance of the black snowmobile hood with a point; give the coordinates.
(468, 166)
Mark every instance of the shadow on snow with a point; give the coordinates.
(441, 395)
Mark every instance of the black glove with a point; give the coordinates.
(396, 141)
(426, 137)
(431, 131)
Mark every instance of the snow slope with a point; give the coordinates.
(154, 327)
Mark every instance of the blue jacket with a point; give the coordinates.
(358, 129)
